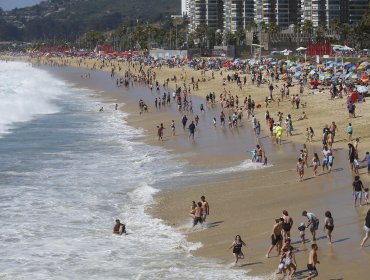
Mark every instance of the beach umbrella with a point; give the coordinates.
(365, 63)
(297, 74)
(314, 83)
(347, 63)
(362, 89)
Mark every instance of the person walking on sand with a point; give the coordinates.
(349, 131)
(367, 159)
(312, 261)
(315, 163)
(173, 127)
(237, 248)
(328, 225)
(276, 237)
(184, 120)
(205, 208)
(351, 155)
(300, 169)
(366, 228)
(313, 223)
(325, 153)
(192, 130)
(357, 188)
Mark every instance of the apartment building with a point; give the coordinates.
(230, 15)
(237, 14)
(209, 12)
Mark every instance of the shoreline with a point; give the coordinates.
(218, 237)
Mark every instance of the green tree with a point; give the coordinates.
(307, 29)
(361, 32)
(240, 36)
(251, 26)
(93, 38)
(273, 28)
(320, 32)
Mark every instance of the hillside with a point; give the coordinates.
(66, 19)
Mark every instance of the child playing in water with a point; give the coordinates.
(254, 155)
(302, 229)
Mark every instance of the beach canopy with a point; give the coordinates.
(301, 49)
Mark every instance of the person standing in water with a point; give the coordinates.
(237, 248)
(276, 237)
(173, 127)
(205, 208)
(192, 130)
(313, 223)
(366, 228)
(328, 225)
(312, 261)
(119, 228)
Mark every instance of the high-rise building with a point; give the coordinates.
(357, 9)
(265, 11)
(208, 12)
(230, 15)
(237, 14)
(313, 10)
(185, 7)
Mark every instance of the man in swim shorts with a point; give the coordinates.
(357, 188)
(312, 261)
(276, 237)
(197, 214)
(205, 208)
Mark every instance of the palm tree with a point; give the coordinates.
(307, 28)
(251, 26)
(92, 38)
(320, 32)
(120, 32)
(240, 36)
(273, 28)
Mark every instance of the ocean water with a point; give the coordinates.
(67, 172)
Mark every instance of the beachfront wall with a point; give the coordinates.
(169, 53)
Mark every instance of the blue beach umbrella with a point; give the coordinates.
(362, 89)
(297, 75)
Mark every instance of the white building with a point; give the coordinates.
(237, 14)
(208, 12)
(185, 7)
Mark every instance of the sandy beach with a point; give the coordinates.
(248, 202)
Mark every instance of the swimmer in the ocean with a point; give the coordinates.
(119, 228)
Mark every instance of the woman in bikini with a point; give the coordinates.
(315, 163)
(305, 155)
(300, 169)
(328, 225)
(237, 248)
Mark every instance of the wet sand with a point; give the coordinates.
(247, 202)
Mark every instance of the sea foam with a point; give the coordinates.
(25, 94)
